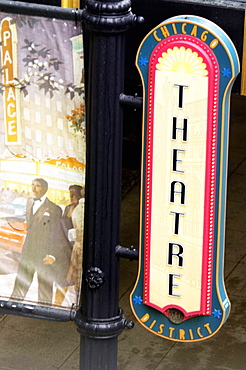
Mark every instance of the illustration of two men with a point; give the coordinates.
(46, 251)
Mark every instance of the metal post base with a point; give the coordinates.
(99, 341)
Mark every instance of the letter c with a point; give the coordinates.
(11, 105)
(198, 330)
(155, 36)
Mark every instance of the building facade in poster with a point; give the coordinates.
(42, 147)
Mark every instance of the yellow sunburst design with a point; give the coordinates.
(182, 60)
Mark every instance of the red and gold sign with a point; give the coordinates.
(187, 65)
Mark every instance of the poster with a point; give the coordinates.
(42, 160)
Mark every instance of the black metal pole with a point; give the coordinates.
(99, 319)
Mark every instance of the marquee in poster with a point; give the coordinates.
(187, 65)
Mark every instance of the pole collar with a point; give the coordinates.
(109, 17)
(102, 328)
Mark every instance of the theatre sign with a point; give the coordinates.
(187, 65)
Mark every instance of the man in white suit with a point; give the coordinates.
(44, 249)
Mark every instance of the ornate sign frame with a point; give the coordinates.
(188, 66)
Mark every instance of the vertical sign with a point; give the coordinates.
(9, 71)
(187, 65)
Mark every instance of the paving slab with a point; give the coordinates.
(235, 245)
(237, 157)
(236, 186)
(72, 362)
(236, 282)
(236, 216)
(35, 344)
(138, 348)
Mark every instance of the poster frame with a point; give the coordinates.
(21, 308)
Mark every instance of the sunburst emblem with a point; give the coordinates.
(182, 60)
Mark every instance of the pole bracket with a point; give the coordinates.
(124, 252)
(102, 328)
(131, 101)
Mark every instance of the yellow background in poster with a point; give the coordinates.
(191, 157)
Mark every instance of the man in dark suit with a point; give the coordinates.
(44, 248)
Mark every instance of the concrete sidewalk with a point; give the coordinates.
(29, 344)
